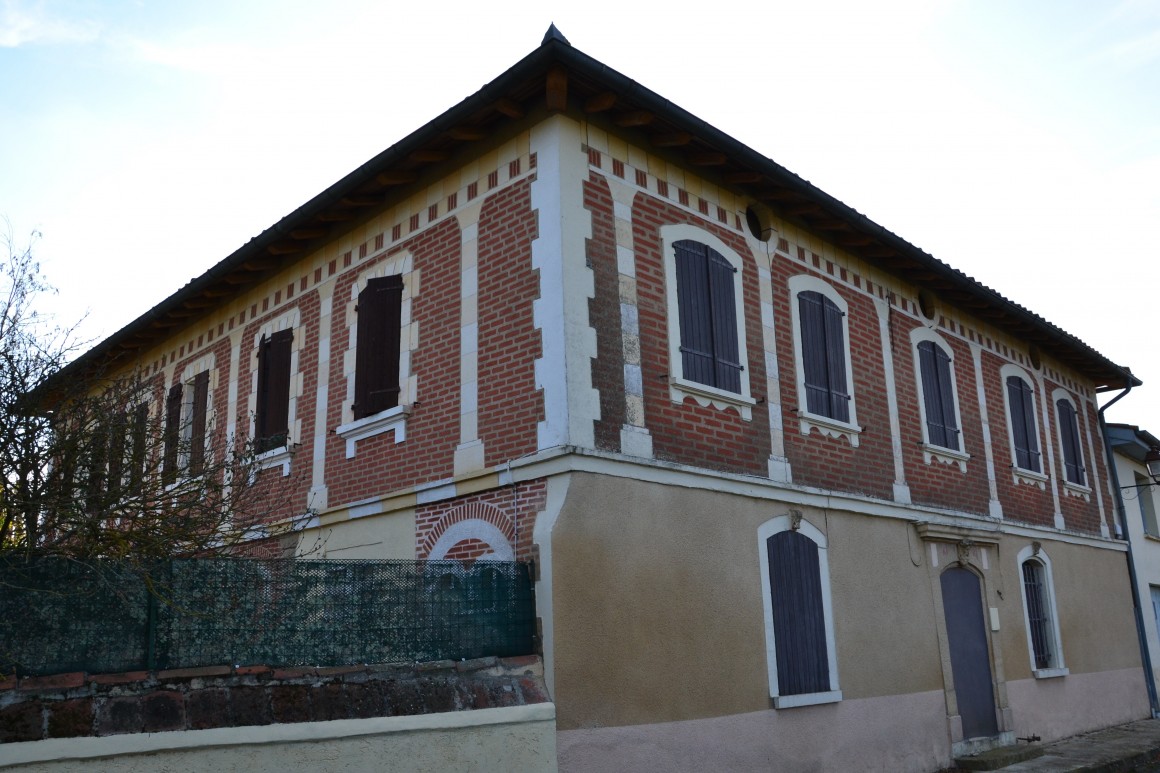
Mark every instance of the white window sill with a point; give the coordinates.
(385, 421)
(275, 457)
(1077, 491)
(706, 396)
(932, 453)
(1050, 673)
(1030, 477)
(808, 699)
(829, 427)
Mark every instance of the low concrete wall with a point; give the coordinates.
(519, 738)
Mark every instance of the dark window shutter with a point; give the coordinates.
(137, 455)
(271, 420)
(118, 445)
(172, 433)
(197, 422)
(706, 303)
(696, 312)
(1069, 435)
(823, 356)
(1023, 423)
(836, 361)
(376, 371)
(727, 364)
(812, 317)
(799, 625)
(938, 395)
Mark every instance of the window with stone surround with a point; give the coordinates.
(825, 385)
(1022, 423)
(799, 627)
(1040, 616)
(938, 403)
(707, 346)
(1071, 449)
(377, 363)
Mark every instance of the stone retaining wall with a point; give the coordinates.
(85, 705)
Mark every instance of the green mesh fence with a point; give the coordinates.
(58, 615)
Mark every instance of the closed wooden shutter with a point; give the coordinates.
(137, 455)
(1069, 436)
(271, 418)
(172, 434)
(1022, 406)
(938, 395)
(696, 313)
(726, 359)
(799, 624)
(823, 356)
(118, 445)
(706, 303)
(376, 375)
(197, 422)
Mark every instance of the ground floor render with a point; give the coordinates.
(695, 620)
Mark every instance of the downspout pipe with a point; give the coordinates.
(1141, 636)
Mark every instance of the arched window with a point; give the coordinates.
(822, 357)
(1039, 613)
(1022, 424)
(800, 652)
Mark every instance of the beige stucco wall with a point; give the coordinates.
(658, 617)
(658, 612)
(383, 536)
(896, 734)
(519, 738)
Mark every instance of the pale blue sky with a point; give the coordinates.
(1017, 141)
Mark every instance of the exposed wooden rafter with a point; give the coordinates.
(598, 103)
(710, 158)
(395, 177)
(509, 107)
(335, 216)
(634, 118)
(671, 140)
(282, 248)
(429, 156)
(742, 178)
(305, 234)
(556, 88)
(466, 133)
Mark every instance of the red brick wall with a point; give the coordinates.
(284, 496)
(511, 509)
(689, 433)
(381, 465)
(510, 406)
(822, 461)
(937, 484)
(1021, 501)
(604, 311)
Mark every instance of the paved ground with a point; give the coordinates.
(1132, 748)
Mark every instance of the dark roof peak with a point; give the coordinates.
(554, 34)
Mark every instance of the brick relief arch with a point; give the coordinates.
(469, 531)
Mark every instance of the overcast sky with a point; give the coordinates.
(1017, 141)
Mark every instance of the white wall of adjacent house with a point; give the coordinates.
(1141, 506)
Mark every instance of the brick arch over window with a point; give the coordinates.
(468, 522)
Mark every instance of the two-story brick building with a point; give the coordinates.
(800, 495)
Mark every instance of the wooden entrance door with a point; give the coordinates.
(970, 656)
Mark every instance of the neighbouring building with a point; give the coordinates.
(800, 496)
(1141, 501)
